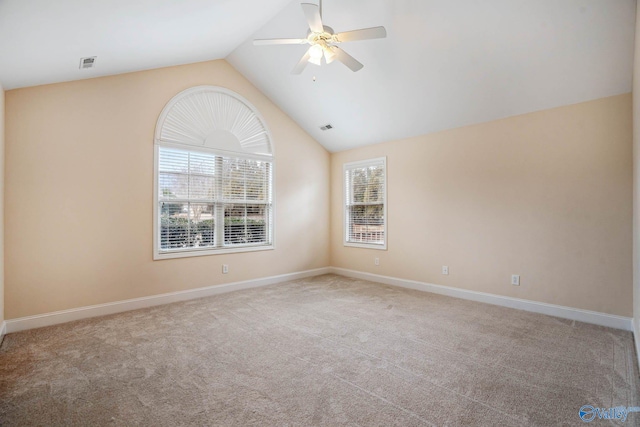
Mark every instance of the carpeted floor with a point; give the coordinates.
(321, 351)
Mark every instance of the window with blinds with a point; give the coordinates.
(209, 201)
(365, 204)
(213, 176)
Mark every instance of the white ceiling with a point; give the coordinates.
(41, 41)
(444, 64)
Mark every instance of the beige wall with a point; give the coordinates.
(636, 180)
(546, 195)
(1, 206)
(79, 178)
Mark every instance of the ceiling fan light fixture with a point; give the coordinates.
(316, 51)
(315, 54)
(323, 41)
(315, 61)
(329, 55)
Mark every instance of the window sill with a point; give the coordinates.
(189, 253)
(375, 246)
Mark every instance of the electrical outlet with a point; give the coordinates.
(225, 269)
(376, 261)
(515, 280)
(445, 269)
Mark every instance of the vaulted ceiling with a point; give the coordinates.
(42, 41)
(444, 64)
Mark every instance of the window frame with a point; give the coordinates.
(202, 147)
(193, 252)
(345, 203)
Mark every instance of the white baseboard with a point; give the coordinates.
(48, 319)
(586, 316)
(636, 340)
(3, 331)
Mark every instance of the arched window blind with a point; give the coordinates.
(213, 176)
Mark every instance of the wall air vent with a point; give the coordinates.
(326, 127)
(89, 62)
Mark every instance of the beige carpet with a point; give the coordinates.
(321, 351)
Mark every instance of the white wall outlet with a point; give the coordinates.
(445, 269)
(376, 261)
(515, 280)
(225, 268)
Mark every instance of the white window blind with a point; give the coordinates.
(210, 201)
(365, 203)
(214, 168)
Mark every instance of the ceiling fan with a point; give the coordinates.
(324, 41)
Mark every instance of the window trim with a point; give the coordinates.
(345, 231)
(194, 252)
(158, 143)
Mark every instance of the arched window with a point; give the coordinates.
(213, 176)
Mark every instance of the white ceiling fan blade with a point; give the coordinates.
(265, 42)
(312, 13)
(299, 68)
(364, 34)
(347, 59)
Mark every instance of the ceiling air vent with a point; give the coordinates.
(326, 127)
(86, 63)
